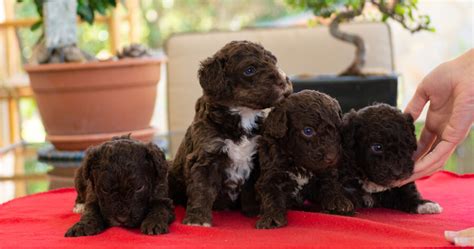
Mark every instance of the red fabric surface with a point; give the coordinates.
(41, 220)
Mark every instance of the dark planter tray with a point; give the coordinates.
(352, 91)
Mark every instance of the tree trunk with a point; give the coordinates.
(359, 61)
(60, 23)
(60, 34)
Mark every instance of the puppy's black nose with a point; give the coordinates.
(121, 219)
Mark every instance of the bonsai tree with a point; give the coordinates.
(403, 11)
(59, 23)
(57, 43)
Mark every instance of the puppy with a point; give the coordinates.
(217, 156)
(122, 182)
(379, 142)
(299, 152)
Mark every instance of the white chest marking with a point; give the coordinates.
(241, 154)
(248, 117)
(301, 180)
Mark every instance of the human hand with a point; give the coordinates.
(461, 238)
(450, 90)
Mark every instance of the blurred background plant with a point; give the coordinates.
(159, 19)
(404, 12)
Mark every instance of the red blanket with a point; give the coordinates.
(41, 220)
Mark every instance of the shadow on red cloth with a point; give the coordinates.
(41, 220)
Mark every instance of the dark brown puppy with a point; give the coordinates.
(122, 182)
(217, 156)
(298, 152)
(379, 142)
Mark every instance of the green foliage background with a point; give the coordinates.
(160, 19)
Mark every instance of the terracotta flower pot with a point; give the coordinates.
(82, 104)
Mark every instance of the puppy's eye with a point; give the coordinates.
(376, 148)
(249, 71)
(308, 132)
(140, 189)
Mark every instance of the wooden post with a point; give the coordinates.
(13, 66)
(3, 126)
(133, 8)
(14, 120)
(114, 31)
(13, 58)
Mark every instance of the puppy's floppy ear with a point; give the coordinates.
(410, 124)
(275, 125)
(156, 156)
(350, 125)
(90, 162)
(212, 78)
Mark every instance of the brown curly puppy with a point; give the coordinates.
(298, 152)
(122, 182)
(379, 142)
(217, 156)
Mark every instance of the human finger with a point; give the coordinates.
(424, 143)
(436, 158)
(417, 103)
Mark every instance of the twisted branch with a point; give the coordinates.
(359, 61)
(399, 18)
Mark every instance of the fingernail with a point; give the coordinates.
(462, 241)
(450, 235)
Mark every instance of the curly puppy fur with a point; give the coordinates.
(299, 151)
(379, 142)
(215, 162)
(123, 182)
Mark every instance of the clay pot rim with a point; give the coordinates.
(83, 141)
(98, 136)
(93, 65)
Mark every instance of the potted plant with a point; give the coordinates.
(355, 87)
(83, 101)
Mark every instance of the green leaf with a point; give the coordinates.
(410, 14)
(399, 9)
(86, 13)
(39, 7)
(384, 17)
(36, 25)
(100, 7)
(432, 29)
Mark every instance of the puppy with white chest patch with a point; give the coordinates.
(379, 142)
(299, 152)
(215, 164)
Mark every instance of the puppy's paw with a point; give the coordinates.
(270, 222)
(429, 208)
(192, 220)
(152, 227)
(78, 208)
(84, 229)
(368, 200)
(338, 204)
